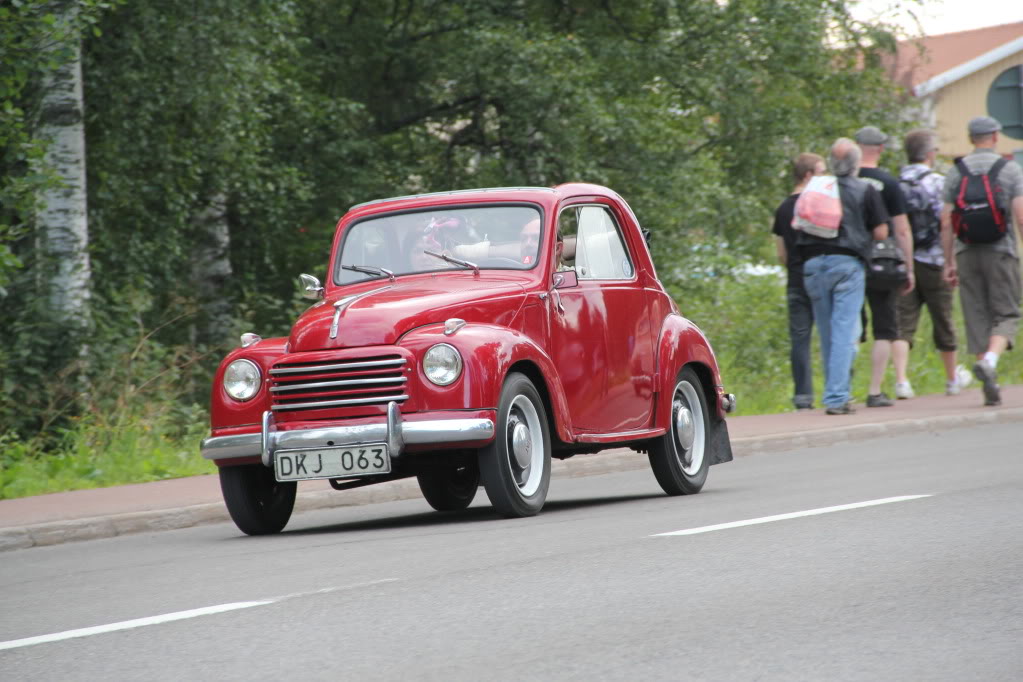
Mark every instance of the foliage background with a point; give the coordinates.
(284, 113)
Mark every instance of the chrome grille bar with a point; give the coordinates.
(311, 369)
(347, 382)
(339, 403)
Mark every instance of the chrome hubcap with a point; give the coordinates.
(690, 428)
(685, 427)
(525, 445)
(521, 445)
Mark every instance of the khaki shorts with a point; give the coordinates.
(930, 290)
(989, 290)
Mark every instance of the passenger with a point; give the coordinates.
(438, 236)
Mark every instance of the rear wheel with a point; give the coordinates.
(516, 466)
(451, 488)
(679, 457)
(258, 503)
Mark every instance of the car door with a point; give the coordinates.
(601, 337)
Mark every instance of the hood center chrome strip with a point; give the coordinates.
(341, 304)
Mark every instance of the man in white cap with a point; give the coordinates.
(982, 248)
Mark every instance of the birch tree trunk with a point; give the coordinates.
(61, 222)
(210, 270)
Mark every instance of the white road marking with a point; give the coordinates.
(792, 515)
(170, 617)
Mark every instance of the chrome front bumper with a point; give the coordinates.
(394, 432)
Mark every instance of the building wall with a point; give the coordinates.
(956, 103)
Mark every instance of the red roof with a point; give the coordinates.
(920, 59)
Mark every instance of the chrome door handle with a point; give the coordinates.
(561, 307)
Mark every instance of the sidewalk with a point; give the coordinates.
(184, 502)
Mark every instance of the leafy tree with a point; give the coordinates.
(224, 139)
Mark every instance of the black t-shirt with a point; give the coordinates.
(783, 228)
(891, 192)
(874, 211)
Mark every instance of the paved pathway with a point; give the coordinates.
(179, 503)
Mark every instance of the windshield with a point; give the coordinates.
(502, 237)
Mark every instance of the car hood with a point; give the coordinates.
(379, 313)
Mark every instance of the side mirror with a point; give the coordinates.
(566, 279)
(647, 235)
(311, 287)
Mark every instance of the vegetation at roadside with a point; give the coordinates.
(220, 148)
(745, 317)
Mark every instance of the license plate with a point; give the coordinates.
(355, 460)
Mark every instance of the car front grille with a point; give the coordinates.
(332, 384)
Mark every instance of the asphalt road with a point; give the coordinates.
(906, 588)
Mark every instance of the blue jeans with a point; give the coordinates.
(800, 332)
(835, 284)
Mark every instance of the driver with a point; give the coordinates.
(529, 241)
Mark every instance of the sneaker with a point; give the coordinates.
(904, 390)
(953, 387)
(879, 400)
(841, 409)
(963, 376)
(987, 375)
(803, 401)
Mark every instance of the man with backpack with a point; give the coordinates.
(983, 198)
(922, 187)
(834, 267)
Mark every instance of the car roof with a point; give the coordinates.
(542, 195)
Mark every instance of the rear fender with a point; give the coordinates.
(682, 343)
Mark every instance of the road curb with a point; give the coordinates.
(94, 528)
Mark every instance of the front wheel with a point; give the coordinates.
(258, 503)
(451, 488)
(516, 466)
(679, 457)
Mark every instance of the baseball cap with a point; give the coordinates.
(983, 125)
(870, 135)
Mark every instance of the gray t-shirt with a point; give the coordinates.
(1008, 186)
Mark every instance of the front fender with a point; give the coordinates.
(488, 353)
(224, 410)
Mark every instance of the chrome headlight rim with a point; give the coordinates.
(449, 376)
(249, 392)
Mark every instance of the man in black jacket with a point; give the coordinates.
(834, 272)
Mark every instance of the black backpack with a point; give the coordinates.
(923, 219)
(976, 217)
(887, 268)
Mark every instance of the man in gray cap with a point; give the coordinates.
(985, 262)
(883, 317)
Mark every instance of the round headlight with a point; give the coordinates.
(241, 379)
(442, 364)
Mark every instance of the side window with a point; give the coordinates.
(593, 244)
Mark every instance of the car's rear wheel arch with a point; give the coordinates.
(706, 378)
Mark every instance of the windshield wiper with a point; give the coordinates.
(370, 270)
(455, 261)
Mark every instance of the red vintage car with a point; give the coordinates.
(464, 338)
